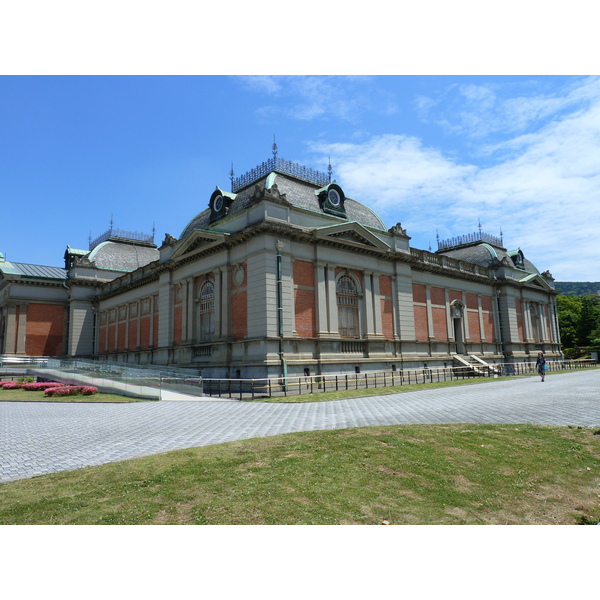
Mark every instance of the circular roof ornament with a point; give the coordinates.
(334, 197)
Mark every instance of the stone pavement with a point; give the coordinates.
(40, 437)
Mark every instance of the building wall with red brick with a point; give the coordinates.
(440, 323)
(387, 307)
(304, 298)
(44, 331)
(133, 333)
(519, 313)
(156, 319)
(420, 311)
(474, 329)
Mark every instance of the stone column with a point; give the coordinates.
(332, 314)
(465, 319)
(368, 302)
(321, 300)
(165, 304)
(449, 319)
(543, 323)
(11, 328)
(481, 325)
(223, 301)
(430, 331)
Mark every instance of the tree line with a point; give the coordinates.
(579, 321)
(577, 288)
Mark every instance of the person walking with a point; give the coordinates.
(540, 363)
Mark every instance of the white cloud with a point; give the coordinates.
(477, 111)
(306, 98)
(545, 196)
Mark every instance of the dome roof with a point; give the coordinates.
(298, 193)
(484, 254)
(117, 256)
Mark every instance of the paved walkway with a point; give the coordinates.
(39, 437)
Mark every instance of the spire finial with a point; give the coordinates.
(274, 148)
(501, 236)
(329, 169)
(480, 227)
(231, 176)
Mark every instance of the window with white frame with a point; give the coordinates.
(206, 311)
(347, 303)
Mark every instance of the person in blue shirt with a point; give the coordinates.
(540, 363)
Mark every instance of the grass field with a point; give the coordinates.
(35, 396)
(418, 474)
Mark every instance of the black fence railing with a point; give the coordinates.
(251, 389)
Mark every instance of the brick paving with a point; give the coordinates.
(40, 437)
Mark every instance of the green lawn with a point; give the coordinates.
(372, 391)
(34, 396)
(418, 474)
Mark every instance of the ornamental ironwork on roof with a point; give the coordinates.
(282, 166)
(469, 238)
(123, 236)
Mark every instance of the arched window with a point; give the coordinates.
(347, 302)
(206, 311)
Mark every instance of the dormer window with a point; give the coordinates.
(519, 259)
(219, 204)
(331, 199)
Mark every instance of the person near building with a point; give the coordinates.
(540, 363)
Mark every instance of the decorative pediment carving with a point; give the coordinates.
(352, 232)
(397, 229)
(353, 237)
(197, 240)
(84, 261)
(169, 240)
(548, 275)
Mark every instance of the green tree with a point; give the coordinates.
(589, 320)
(569, 315)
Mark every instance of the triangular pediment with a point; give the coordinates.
(198, 241)
(536, 280)
(352, 233)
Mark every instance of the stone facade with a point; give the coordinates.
(287, 276)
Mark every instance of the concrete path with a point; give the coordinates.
(39, 437)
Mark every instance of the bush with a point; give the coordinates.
(40, 386)
(11, 385)
(25, 380)
(70, 390)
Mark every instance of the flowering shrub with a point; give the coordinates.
(70, 390)
(11, 385)
(39, 386)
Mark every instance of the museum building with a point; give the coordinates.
(282, 275)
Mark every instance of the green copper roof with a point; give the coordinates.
(32, 271)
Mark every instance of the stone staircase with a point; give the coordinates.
(475, 364)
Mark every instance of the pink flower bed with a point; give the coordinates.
(33, 387)
(11, 385)
(70, 390)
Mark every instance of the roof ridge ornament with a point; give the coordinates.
(283, 166)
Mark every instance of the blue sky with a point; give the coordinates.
(436, 153)
(135, 111)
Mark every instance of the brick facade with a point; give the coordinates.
(44, 331)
